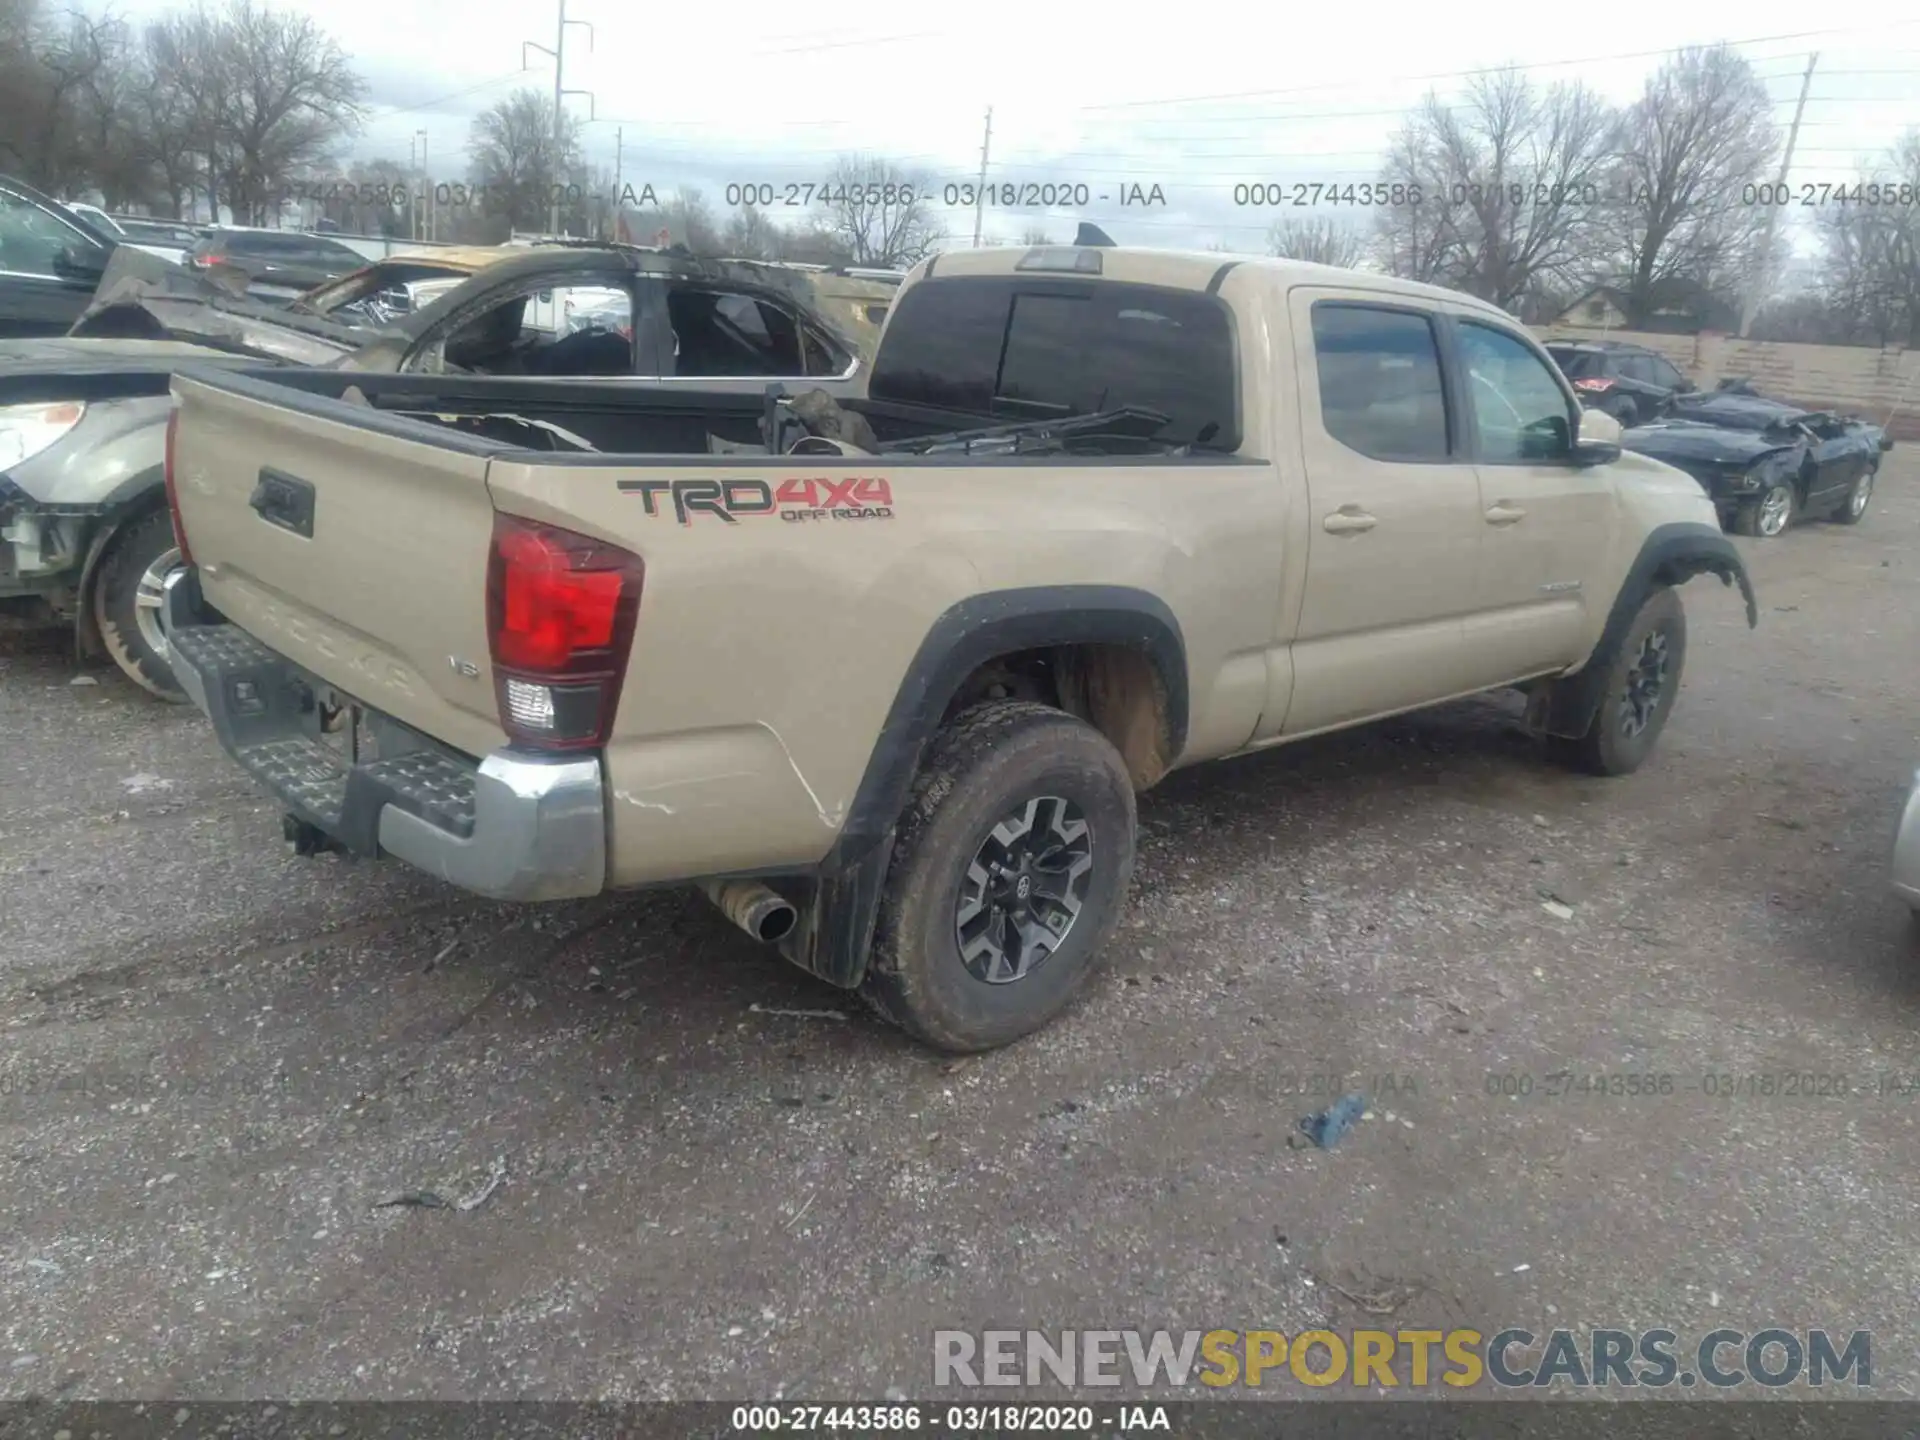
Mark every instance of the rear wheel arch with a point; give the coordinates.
(1117, 658)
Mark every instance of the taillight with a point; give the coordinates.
(173, 489)
(561, 609)
(1593, 386)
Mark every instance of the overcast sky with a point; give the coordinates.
(749, 92)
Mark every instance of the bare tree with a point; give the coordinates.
(881, 214)
(752, 234)
(1320, 241)
(514, 167)
(1421, 231)
(293, 98)
(1035, 235)
(1869, 288)
(687, 220)
(1701, 131)
(1509, 181)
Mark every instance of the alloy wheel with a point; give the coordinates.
(1646, 684)
(1024, 889)
(148, 596)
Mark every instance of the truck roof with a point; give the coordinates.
(1186, 270)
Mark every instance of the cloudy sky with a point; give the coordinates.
(747, 92)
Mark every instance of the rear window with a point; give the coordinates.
(292, 246)
(1030, 349)
(1578, 364)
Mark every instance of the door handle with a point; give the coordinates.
(1503, 513)
(1348, 520)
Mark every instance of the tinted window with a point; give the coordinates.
(1578, 364)
(1380, 390)
(1519, 410)
(1665, 374)
(30, 237)
(1017, 349)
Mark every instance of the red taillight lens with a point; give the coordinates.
(561, 609)
(173, 489)
(1593, 386)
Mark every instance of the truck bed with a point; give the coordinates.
(623, 418)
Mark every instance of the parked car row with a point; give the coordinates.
(1765, 462)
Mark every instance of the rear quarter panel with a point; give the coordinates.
(769, 651)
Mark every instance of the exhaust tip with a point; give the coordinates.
(762, 912)
(777, 923)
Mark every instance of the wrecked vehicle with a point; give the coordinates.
(1766, 464)
(84, 538)
(886, 679)
(1738, 404)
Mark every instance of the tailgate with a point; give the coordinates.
(352, 542)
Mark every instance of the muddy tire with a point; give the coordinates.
(126, 602)
(1010, 868)
(1642, 681)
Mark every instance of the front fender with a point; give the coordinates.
(1671, 555)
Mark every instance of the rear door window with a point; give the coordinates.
(721, 333)
(1020, 349)
(1380, 388)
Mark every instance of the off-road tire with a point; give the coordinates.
(1746, 520)
(984, 764)
(1845, 512)
(115, 593)
(1606, 749)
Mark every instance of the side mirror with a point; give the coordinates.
(79, 262)
(1598, 442)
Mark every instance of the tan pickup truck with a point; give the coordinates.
(1112, 512)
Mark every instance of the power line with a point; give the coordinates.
(1494, 69)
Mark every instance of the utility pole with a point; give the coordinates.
(980, 194)
(560, 92)
(619, 134)
(426, 183)
(1764, 273)
(413, 169)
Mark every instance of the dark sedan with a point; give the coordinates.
(1766, 467)
(50, 261)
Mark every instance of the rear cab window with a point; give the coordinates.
(1017, 348)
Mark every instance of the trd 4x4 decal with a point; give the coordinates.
(855, 498)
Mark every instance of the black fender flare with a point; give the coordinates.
(1671, 555)
(834, 941)
(981, 628)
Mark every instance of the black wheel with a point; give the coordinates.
(1624, 409)
(1010, 868)
(126, 602)
(1642, 681)
(1853, 509)
(1768, 516)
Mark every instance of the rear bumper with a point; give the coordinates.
(1906, 850)
(510, 826)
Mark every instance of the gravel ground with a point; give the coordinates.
(218, 1059)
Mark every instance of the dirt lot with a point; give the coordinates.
(217, 1059)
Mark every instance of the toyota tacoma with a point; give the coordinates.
(885, 675)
